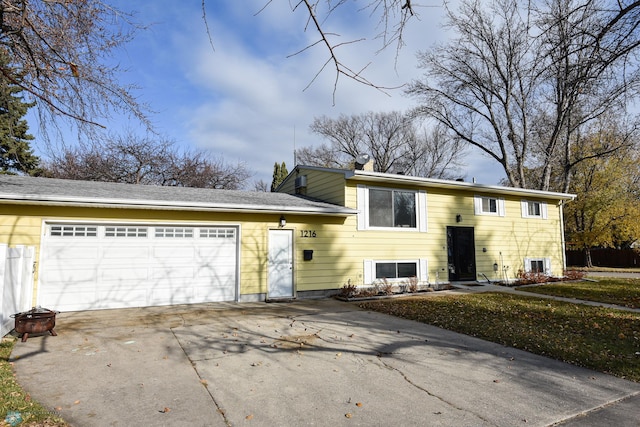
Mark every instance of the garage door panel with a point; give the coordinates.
(71, 251)
(225, 250)
(120, 296)
(61, 276)
(129, 274)
(173, 273)
(134, 269)
(222, 273)
(118, 252)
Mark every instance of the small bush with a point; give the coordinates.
(348, 290)
(385, 287)
(413, 284)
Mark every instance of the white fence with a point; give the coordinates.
(16, 283)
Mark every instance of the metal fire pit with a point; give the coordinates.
(35, 321)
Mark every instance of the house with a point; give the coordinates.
(106, 245)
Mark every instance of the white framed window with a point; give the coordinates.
(113, 231)
(395, 270)
(534, 209)
(391, 209)
(486, 205)
(73, 231)
(216, 233)
(174, 232)
(537, 265)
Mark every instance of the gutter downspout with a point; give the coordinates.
(564, 249)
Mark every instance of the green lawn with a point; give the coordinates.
(602, 339)
(624, 292)
(16, 406)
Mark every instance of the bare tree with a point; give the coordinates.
(145, 160)
(393, 140)
(59, 54)
(520, 82)
(392, 17)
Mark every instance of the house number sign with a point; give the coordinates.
(308, 233)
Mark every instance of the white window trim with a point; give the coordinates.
(477, 205)
(525, 209)
(362, 205)
(546, 263)
(370, 270)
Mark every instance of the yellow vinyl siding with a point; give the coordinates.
(327, 186)
(514, 237)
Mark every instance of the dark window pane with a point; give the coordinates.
(386, 270)
(534, 209)
(380, 214)
(404, 209)
(489, 205)
(407, 269)
(537, 266)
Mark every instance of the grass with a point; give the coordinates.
(624, 292)
(14, 400)
(601, 339)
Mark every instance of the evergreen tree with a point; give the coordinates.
(16, 155)
(279, 174)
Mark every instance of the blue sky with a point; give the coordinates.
(246, 100)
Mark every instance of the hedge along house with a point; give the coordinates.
(106, 245)
(438, 231)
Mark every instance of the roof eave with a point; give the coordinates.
(457, 185)
(167, 205)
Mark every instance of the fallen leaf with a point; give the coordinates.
(204, 383)
(249, 417)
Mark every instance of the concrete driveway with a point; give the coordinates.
(319, 362)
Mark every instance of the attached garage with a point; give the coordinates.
(87, 266)
(103, 245)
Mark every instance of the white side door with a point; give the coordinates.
(280, 264)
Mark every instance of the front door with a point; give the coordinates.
(280, 264)
(461, 253)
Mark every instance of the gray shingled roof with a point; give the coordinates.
(49, 191)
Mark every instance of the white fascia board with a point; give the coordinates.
(457, 185)
(167, 205)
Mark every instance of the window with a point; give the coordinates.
(537, 265)
(391, 209)
(534, 209)
(125, 231)
(217, 233)
(73, 231)
(177, 232)
(484, 205)
(396, 270)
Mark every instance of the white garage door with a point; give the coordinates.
(98, 266)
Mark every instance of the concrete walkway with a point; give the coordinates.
(313, 362)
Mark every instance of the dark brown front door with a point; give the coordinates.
(461, 253)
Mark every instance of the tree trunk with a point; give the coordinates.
(587, 257)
